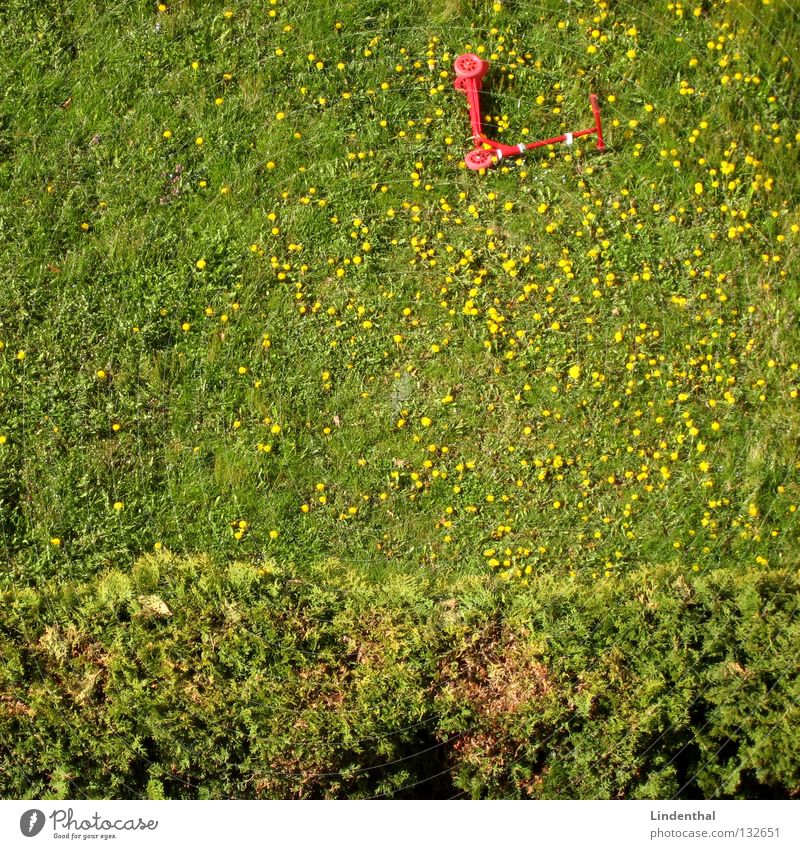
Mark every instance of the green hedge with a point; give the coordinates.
(180, 678)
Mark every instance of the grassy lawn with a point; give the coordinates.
(254, 308)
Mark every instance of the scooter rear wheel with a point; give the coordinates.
(470, 65)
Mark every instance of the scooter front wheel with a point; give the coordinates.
(479, 158)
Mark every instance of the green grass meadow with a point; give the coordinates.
(331, 468)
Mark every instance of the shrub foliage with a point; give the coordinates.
(185, 678)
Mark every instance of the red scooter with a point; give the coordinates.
(470, 71)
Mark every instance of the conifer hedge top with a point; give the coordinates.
(182, 678)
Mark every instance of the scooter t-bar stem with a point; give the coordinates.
(601, 145)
